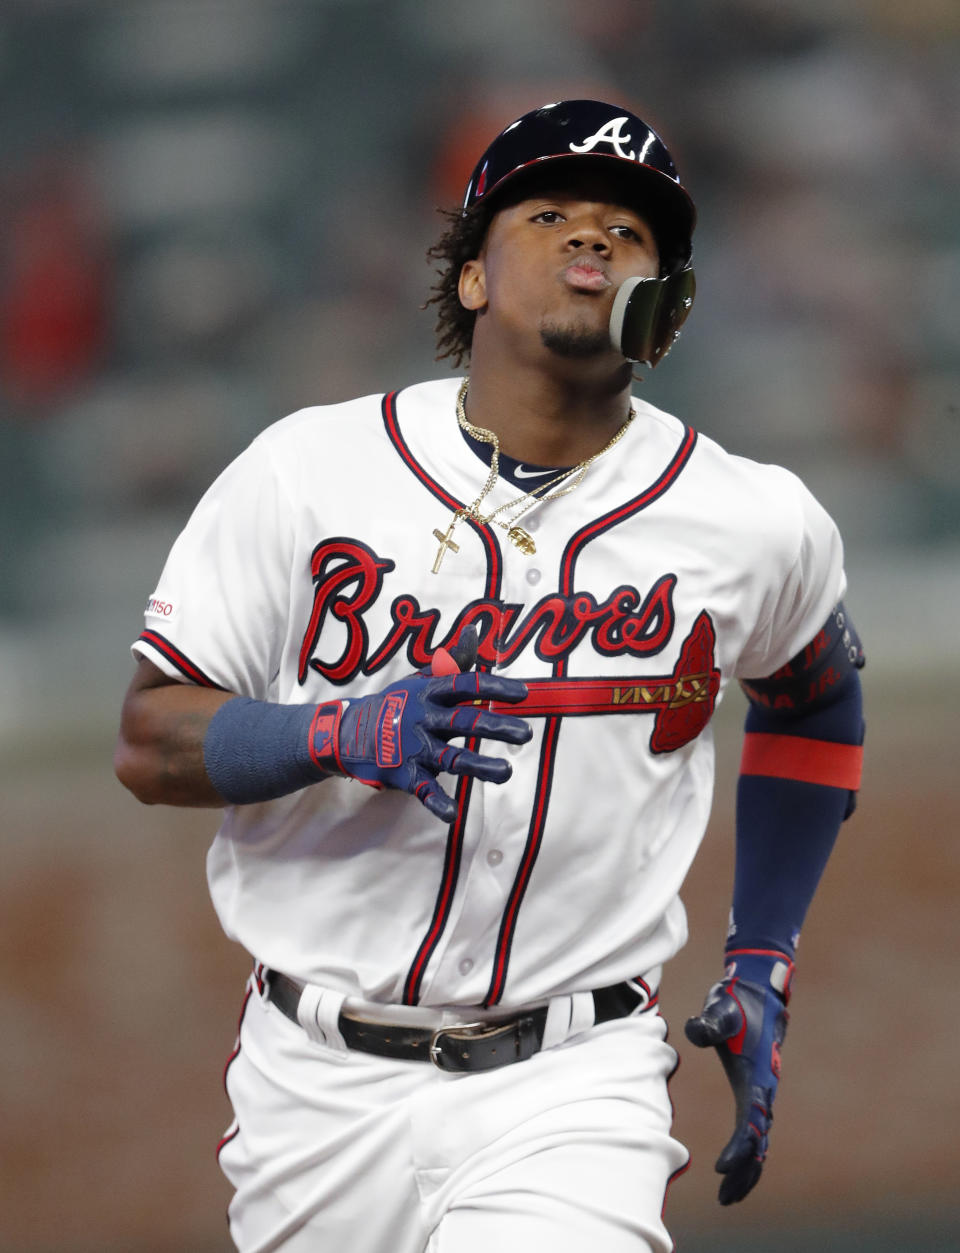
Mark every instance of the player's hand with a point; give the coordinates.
(399, 737)
(745, 1019)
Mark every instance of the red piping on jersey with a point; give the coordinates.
(454, 849)
(803, 760)
(608, 520)
(572, 551)
(551, 732)
(389, 409)
(179, 659)
(534, 838)
(448, 884)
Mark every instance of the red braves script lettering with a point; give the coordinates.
(348, 578)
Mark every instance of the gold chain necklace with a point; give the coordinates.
(516, 534)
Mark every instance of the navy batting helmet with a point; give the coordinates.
(647, 316)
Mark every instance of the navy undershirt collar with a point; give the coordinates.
(522, 474)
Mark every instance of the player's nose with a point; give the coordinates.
(588, 232)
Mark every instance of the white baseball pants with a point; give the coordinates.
(335, 1150)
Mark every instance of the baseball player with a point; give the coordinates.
(446, 658)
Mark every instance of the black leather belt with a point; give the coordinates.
(464, 1048)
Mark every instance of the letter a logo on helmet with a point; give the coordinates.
(611, 133)
(590, 130)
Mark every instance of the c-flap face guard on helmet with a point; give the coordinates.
(647, 315)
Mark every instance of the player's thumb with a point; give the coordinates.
(461, 657)
(720, 1018)
(464, 652)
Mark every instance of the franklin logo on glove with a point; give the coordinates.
(388, 729)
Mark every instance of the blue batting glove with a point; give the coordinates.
(399, 737)
(745, 1019)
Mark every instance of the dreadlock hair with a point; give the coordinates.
(461, 242)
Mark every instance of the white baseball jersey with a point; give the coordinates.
(305, 574)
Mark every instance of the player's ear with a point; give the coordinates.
(472, 286)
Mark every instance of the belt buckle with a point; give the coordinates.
(469, 1030)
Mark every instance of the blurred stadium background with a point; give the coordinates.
(214, 212)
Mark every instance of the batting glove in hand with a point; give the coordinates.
(399, 737)
(745, 1019)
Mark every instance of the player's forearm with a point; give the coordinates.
(795, 790)
(159, 753)
(798, 781)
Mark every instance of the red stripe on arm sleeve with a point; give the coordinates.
(805, 760)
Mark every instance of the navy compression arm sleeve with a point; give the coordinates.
(798, 780)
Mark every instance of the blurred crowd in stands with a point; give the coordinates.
(214, 212)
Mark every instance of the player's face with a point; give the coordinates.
(551, 265)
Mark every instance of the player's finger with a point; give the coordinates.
(476, 685)
(477, 765)
(740, 1180)
(743, 1146)
(464, 652)
(475, 720)
(717, 1021)
(742, 1158)
(433, 798)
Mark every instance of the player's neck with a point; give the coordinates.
(548, 419)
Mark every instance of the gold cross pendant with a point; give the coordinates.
(445, 543)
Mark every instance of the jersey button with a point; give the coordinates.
(533, 576)
(494, 857)
(466, 966)
(532, 524)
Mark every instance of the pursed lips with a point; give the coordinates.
(586, 274)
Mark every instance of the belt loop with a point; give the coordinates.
(557, 1026)
(582, 1013)
(317, 1012)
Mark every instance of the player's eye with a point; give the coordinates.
(624, 232)
(550, 217)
